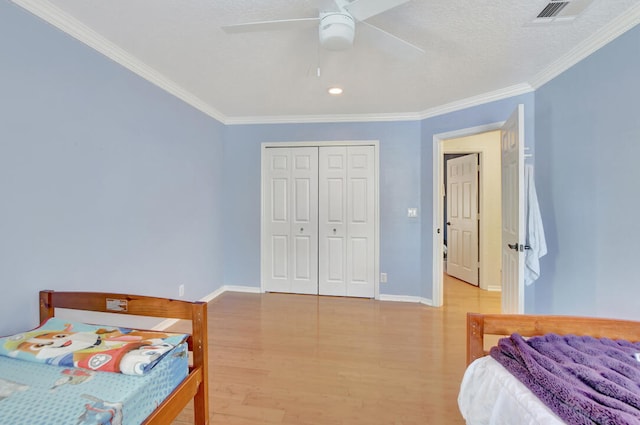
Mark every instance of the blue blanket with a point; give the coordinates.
(583, 380)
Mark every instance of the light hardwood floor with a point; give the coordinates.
(308, 360)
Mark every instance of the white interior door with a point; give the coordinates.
(290, 248)
(513, 236)
(346, 221)
(462, 218)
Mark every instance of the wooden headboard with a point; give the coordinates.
(479, 325)
(195, 386)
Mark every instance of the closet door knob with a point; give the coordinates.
(301, 229)
(334, 230)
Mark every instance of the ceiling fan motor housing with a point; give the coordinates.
(337, 31)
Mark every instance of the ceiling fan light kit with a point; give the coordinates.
(337, 31)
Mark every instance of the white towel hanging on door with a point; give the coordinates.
(535, 230)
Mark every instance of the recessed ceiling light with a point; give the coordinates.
(335, 91)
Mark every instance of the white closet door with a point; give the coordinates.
(290, 248)
(346, 221)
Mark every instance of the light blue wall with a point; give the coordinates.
(106, 181)
(487, 113)
(588, 179)
(399, 190)
(109, 183)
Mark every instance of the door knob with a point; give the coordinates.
(301, 229)
(513, 246)
(334, 230)
(448, 223)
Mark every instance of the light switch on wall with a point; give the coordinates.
(412, 212)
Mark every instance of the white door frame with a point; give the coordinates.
(438, 202)
(376, 178)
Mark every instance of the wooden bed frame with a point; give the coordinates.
(479, 325)
(195, 385)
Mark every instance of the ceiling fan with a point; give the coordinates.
(336, 28)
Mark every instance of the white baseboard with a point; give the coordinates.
(494, 288)
(406, 299)
(238, 288)
(229, 288)
(215, 294)
(427, 301)
(207, 299)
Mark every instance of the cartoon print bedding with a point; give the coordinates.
(108, 349)
(45, 389)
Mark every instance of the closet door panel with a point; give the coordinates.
(332, 220)
(291, 210)
(276, 197)
(346, 221)
(360, 264)
(304, 226)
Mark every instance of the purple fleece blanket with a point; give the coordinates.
(583, 380)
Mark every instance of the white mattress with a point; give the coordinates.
(490, 395)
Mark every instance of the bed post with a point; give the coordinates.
(200, 359)
(475, 337)
(46, 305)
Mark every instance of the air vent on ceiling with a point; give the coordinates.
(561, 10)
(552, 9)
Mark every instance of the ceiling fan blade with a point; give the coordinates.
(397, 41)
(285, 24)
(365, 9)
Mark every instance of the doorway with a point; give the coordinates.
(510, 202)
(485, 142)
(487, 146)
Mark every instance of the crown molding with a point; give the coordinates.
(500, 94)
(76, 29)
(307, 119)
(599, 39)
(481, 99)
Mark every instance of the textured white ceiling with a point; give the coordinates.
(471, 48)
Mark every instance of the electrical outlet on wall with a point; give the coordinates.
(383, 278)
(181, 291)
